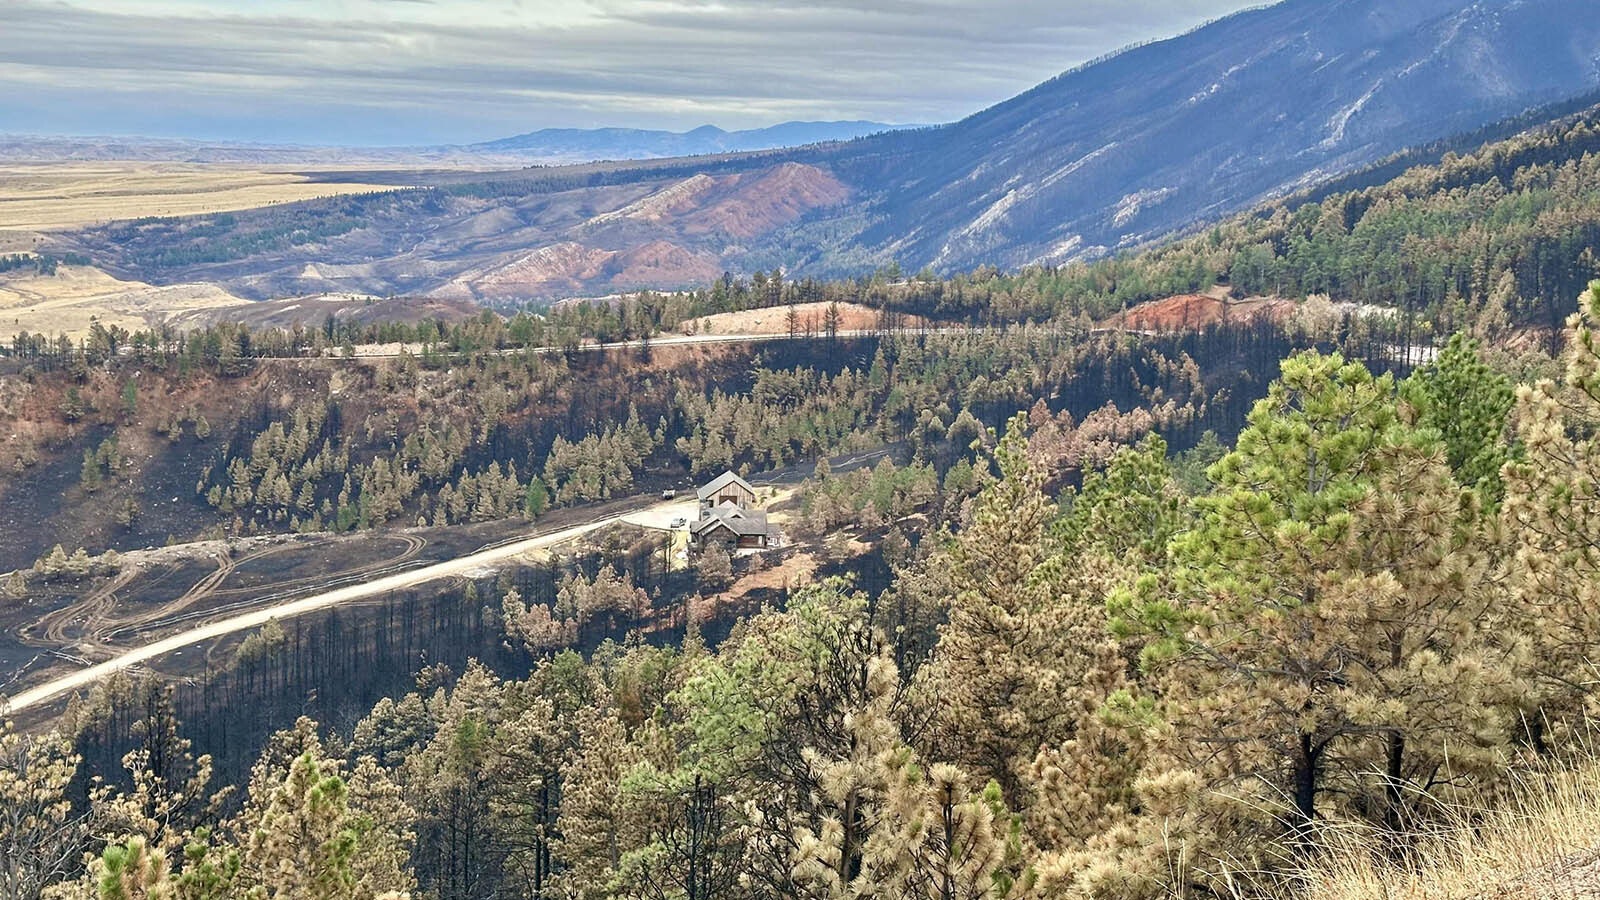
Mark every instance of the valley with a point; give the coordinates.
(1095, 162)
(1173, 482)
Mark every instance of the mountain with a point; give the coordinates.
(549, 146)
(1166, 135)
(583, 145)
(1116, 154)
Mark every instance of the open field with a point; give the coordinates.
(53, 196)
(68, 300)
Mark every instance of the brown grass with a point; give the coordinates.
(75, 295)
(1542, 844)
(53, 196)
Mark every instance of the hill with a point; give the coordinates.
(1113, 155)
(534, 235)
(1162, 136)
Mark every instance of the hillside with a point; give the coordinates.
(1108, 156)
(1022, 641)
(526, 236)
(1487, 237)
(1184, 130)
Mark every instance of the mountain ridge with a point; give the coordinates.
(1257, 104)
(585, 144)
(1107, 157)
(558, 146)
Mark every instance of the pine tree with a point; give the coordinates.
(382, 822)
(132, 871)
(714, 569)
(1554, 520)
(1330, 608)
(596, 826)
(887, 828)
(168, 799)
(1468, 403)
(1025, 657)
(302, 848)
(447, 783)
(41, 835)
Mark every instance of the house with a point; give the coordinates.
(734, 526)
(728, 515)
(726, 489)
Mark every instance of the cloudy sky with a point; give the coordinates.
(386, 72)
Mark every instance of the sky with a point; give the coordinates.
(423, 72)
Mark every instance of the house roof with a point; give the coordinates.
(720, 482)
(743, 523)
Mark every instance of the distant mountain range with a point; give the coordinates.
(587, 144)
(1112, 155)
(550, 146)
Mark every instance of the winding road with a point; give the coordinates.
(256, 618)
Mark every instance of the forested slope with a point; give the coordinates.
(1375, 607)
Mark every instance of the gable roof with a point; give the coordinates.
(743, 523)
(720, 482)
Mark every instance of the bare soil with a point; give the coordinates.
(1190, 312)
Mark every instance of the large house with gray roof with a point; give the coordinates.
(728, 515)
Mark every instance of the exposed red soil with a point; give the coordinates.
(663, 262)
(1186, 312)
(758, 204)
(670, 238)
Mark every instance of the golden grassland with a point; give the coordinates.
(1543, 843)
(76, 296)
(53, 196)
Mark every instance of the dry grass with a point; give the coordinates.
(52, 196)
(75, 295)
(1542, 844)
(775, 320)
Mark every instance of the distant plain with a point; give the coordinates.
(56, 196)
(39, 198)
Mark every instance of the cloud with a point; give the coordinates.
(416, 71)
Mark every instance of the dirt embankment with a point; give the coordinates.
(1188, 312)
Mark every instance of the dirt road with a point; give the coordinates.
(660, 515)
(256, 618)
